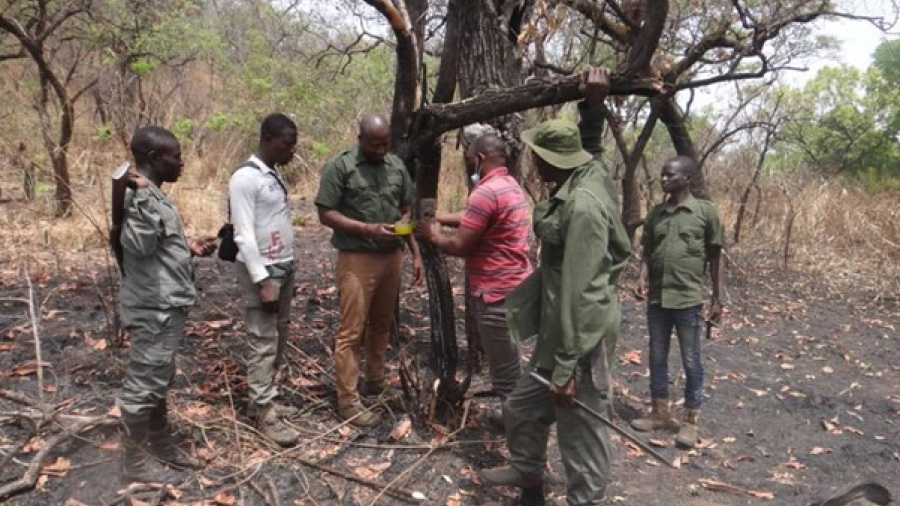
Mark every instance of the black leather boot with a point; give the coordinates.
(163, 444)
(137, 462)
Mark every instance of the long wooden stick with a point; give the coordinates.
(622, 432)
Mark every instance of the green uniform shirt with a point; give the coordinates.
(590, 126)
(676, 242)
(571, 301)
(159, 273)
(367, 192)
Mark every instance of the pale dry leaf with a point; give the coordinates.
(56, 467)
(633, 449)
(100, 344)
(218, 324)
(454, 500)
(371, 471)
(631, 357)
(33, 445)
(224, 498)
(114, 412)
(794, 464)
(659, 443)
(401, 429)
(111, 446)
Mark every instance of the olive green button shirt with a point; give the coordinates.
(367, 192)
(159, 272)
(571, 301)
(676, 242)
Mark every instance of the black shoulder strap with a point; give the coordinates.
(249, 163)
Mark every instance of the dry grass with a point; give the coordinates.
(841, 233)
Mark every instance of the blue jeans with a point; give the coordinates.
(687, 325)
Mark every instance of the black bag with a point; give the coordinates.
(228, 249)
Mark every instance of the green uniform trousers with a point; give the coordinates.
(583, 441)
(155, 337)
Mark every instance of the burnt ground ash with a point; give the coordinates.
(802, 398)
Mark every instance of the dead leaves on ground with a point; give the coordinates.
(368, 470)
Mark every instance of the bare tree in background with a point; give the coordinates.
(51, 35)
(498, 54)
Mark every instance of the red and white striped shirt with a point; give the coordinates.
(497, 208)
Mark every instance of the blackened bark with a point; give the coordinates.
(672, 116)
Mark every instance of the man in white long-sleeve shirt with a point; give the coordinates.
(263, 231)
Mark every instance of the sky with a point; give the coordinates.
(858, 41)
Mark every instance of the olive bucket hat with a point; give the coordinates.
(557, 142)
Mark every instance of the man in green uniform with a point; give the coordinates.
(571, 303)
(364, 190)
(157, 290)
(681, 236)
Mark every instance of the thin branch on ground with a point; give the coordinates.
(416, 464)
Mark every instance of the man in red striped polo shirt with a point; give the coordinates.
(493, 238)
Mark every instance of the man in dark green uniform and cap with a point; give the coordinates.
(572, 305)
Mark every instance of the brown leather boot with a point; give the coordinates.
(138, 465)
(270, 425)
(164, 445)
(689, 433)
(659, 418)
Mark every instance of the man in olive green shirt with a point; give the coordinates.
(364, 190)
(681, 236)
(572, 304)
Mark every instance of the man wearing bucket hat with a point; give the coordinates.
(571, 303)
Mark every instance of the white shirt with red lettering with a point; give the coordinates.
(261, 215)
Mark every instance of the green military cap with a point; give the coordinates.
(557, 142)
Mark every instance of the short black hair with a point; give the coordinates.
(275, 124)
(148, 139)
(490, 144)
(684, 164)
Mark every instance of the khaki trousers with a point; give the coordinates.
(267, 333)
(368, 285)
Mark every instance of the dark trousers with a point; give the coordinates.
(687, 324)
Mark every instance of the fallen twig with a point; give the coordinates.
(28, 480)
(718, 486)
(33, 430)
(389, 488)
(35, 321)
